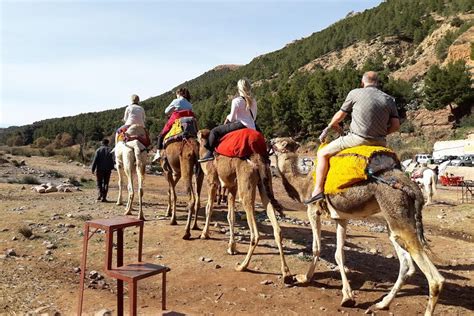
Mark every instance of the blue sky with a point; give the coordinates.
(61, 58)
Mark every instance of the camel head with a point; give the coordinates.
(203, 134)
(284, 145)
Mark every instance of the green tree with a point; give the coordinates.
(450, 85)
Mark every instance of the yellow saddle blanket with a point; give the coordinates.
(176, 129)
(349, 166)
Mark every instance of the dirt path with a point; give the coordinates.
(40, 278)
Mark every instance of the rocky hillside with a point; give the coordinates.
(410, 60)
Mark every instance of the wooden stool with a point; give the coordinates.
(130, 273)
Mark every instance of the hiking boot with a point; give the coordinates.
(207, 157)
(157, 156)
(314, 199)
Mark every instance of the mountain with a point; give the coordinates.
(307, 80)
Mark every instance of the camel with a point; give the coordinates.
(428, 181)
(399, 204)
(243, 176)
(180, 160)
(131, 158)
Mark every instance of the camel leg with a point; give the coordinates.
(168, 209)
(212, 188)
(231, 219)
(128, 208)
(197, 194)
(407, 269)
(285, 271)
(141, 178)
(187, 172)
(120, 177)
(347, 296)
(315, 221)
(248, 202)
(172, 194)
(408, 239)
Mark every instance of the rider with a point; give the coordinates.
(179, 107)
(134, 114)
(374, 116)
(243, 113)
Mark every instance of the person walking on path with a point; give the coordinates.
(374, 116)
(102, 166)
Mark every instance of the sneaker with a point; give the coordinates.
(157, 156)
(207, 157)
(314, 199)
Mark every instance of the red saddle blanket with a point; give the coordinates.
(242, 143)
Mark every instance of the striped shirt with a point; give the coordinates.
(371, 111)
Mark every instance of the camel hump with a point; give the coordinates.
(242, 143)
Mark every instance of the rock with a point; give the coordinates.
(389, 256)
(70, 225)
(69, 215)
(103, 312)
(76, 270)
(159, 257)
(14, 238)
(50, 245)
(373, 251)
(322, 308)
(4, 230)
(48, 253)
(208, 260)
(201, 258)
(23, 188)
(10, 253)
(217, 266)
(93, 275)
(266, 282)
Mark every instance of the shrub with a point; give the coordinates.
(73, 180)
(54, 174)
(29, 180)
(407, 127)
(42, 142)
(25, 231)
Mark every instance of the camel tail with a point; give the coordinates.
(265, 183)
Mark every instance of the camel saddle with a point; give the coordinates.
(134, 132)
(242, 143)
(183, 128)
(350, 166)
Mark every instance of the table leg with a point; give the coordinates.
(83, 268)
(132, 285)
(119, 264)
(140, 243)
(163, 292)
(109, 248)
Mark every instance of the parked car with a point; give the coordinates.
(445, 158)
(463, 161)
(423, 158)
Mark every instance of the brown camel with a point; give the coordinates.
(244, 176)
(180, 160)
(401, 208)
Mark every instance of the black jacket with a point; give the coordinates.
(103, 159)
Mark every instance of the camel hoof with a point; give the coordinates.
(204, 236)
(187, 236)
(348, 302)
(289, 279)
(173, 223)
(240, 268)
(231, 251)
(301, 278)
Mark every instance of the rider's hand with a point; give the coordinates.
(324, 134)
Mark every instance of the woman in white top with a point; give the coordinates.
(243, 113)
(134, 114)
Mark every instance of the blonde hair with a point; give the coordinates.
(245, 91)
(135, 99)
